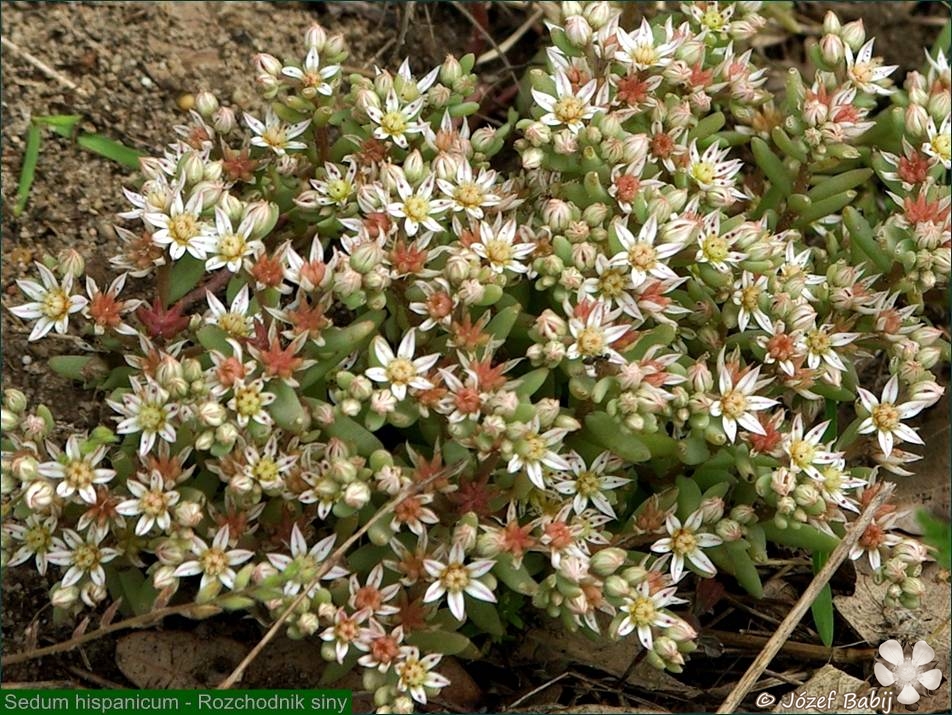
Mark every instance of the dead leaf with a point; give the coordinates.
(826, 680)
(462, 690)
(552, 644)
(929, 485)
(176, 659)
(865, 612)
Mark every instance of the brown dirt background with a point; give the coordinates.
(134, 61)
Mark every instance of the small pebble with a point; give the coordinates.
(185, 102)
(146, 81)
(26, 361)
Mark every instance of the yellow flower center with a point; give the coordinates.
(644, 54)
(818, 342)
(232, 247)
(454, 577)
(339, 189)
(733, 404)
(642, 256)
(79, 474)
(416, 208)
(885, 417)
(248, 400)
(183, 228)
(683, 542)
(413, 673)
(266, 470)
(499, 252)
(400, 371)
(587, 484)
(611, 284)
(862, 73)
(590, 341)
(942, 145)
(151, 418)
(703, 172)
(393, 123)
(642, 611)
(712, 19)
(802, 453)
(468, 195)
(214, 562)
(38, 539)
(55, 305)
(86, 557)
(749, 297)
(234, 324)
(274, 136)
(535, 449)
(154, 503)
(714, 248)
(569, 110)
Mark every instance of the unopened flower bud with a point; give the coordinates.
(729, 530)
(192, 167)
(226, 434)
(939, 106)
(578, 31)
(471, 291)
(607, 561)
(413, 167)
(14, 400)
(595, 214)
(450, 70)
(64, 597)
(212, 414)
(25, 467)
(357, 495)
(564, 142)
(483, 139)
(224, 120)
(263, 215)
(598, 13)
(268, 64)
(39, 495)
(854, 34)
(315, 38)
(616, 586)
(916, 120)
(831, 49)
(70, 262)
(532, 158)
(205, 441)
(538, 134)
(744, 514)
(206, 104)
(831, 23)
(9, 420)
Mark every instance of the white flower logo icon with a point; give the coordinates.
(906, 673)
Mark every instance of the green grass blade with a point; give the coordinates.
(28, 171)
(62, 124)
(110, 149)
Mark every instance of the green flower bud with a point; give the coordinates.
(69, 262)
(450, 71)
(263, 216)
(14, 400)
(607, 561)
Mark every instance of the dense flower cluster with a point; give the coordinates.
(636, 357)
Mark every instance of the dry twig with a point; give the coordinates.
(50, 72)
(338, 553)
(776, 641)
